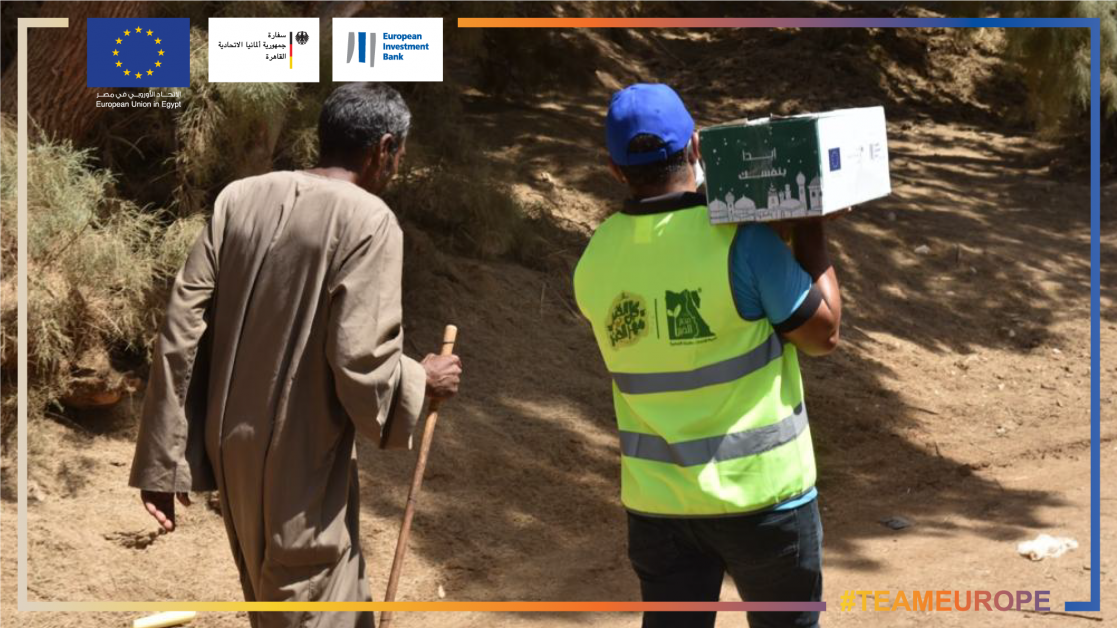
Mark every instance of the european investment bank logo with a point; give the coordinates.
(389, 49)
(137, 52)
(360, 39)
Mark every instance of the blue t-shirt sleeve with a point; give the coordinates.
(766, 279)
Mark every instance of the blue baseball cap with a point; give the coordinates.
(651, 108)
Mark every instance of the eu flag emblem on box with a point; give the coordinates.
(137, 52)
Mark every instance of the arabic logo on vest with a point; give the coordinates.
(684, 322)
(627, 322)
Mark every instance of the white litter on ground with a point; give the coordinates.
(165, 620)
(1046, 546)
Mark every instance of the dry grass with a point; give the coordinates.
(226, 130)
(1060, 90)
(465, 208)
(96, 266)
(100, 264)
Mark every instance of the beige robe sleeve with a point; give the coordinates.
(170, 449)
(381, 389)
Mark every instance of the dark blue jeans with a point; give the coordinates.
(774, 556)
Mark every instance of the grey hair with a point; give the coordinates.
(357, 115)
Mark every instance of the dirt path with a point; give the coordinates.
(958, 401)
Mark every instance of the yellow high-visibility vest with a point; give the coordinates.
(709, 405)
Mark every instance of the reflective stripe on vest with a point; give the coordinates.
(717, 373)
(715, 448)
(709, 405)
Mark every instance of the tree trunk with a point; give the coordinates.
(57, 98)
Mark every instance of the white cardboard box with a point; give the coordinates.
(793, 167)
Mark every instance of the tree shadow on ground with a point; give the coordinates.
(522, 499)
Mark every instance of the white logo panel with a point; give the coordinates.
(263, 49)
(389, 49)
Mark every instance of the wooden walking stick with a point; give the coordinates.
(448, 338)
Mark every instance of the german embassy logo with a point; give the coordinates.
(684, 322)
(627, 322)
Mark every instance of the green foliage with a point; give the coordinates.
(95, 263)
(1056, 61)
(173, 245)
(226, 130)
(297, 147)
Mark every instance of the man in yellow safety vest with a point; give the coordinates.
(700, 327)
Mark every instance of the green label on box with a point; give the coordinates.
(762, 172)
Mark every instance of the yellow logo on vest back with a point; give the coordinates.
(627, 321)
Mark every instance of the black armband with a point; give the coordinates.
(803, 313)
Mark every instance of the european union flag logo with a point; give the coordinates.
(137, 52)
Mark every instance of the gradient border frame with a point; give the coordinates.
(1092, 605)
